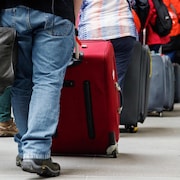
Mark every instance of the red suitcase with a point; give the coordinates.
(90, 104)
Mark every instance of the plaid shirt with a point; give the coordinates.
(105, 19)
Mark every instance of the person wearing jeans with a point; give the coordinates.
(45, 32)
(7, 125)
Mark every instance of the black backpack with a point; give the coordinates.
(163, 22)
(141, 7)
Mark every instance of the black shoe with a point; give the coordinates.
(43, 167)
(18, 161)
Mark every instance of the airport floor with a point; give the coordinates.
(153, 153)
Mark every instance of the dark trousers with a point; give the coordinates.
(123, 49)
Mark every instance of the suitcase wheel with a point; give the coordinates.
(114, 154)
(160, 114)
(112, 151)
(132, 128)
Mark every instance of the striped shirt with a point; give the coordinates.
(105, 19)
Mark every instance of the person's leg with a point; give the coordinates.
(22, 88)
(5, 105)
(123, 49)
(7, 125)
(52, 47)
(155, 48)
(53, 44)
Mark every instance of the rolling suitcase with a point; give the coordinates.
(136, 88)
(161, 93)
(169, 81)
(90, 104)
(177, 83)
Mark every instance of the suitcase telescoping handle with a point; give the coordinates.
(77, 55)
(76, 61)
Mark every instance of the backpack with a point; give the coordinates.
(163, 23)
(141, 7)
(137, 21)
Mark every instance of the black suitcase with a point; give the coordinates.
(136, 88)
(177, 83)
(169, 83)
(161, 93)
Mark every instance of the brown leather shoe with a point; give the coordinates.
(8, 128)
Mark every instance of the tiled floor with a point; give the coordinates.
(153, 153)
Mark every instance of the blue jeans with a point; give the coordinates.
(5, 105)
(46, 44)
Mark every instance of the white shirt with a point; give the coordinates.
(106, 19)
